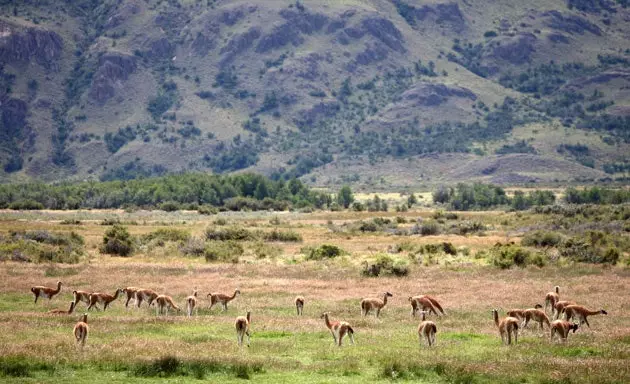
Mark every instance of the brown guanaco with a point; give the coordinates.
(299, 305)
(191, 303)
(163, 303)
(427, 330)
(81, 330)
(131, 294)
(103, 298)
(45, 292)
(562, 327)
(242, 328)
(81, 296)
(63, 311)
(508, 326)
(374, 304)
(145, 294)
(560, 305)
(552, 298)
(338, 329)
(222, 298)
(425, 303)
(537, 315)
(581, 313)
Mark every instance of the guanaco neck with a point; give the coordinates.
(327, 320)
(116, 294)
(85, 318)
(496, 317)
(423, 315)
(248, 317)
(58, 287)
(557, 289)
(234, 294)
(385, 299)
(71, 307)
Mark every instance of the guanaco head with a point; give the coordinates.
(85, 318)
(324, 315)
(410, 298)
(603, 312)
(495, 315)
(59, 284)
(249, 316)
(195, 292)
(537, 306)
(209, 294)
(557, 289)
(388, 294)
(574, 327)
(237, 291)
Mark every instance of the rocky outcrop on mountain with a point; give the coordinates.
(308, 117)
(425, 94)
(442, 15)
(289, 32)
(516, 49)
(125, 12)
(160, 48)
(113, 69)
(238, 44)
(29, 45)
(572, 24)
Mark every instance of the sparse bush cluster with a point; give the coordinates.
(506, 256)
(42, 246)
(324, 251)
(118, 241)
(386, 265)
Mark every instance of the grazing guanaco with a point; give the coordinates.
(508, 326)
(145, 294)
(299, 305)
(191, 303)
(377, 304)
(537, 315)
(242, 328)
(163, 303)
(63, 311)
(427, 330)
(562, 327)
(338, 329)
(560, 305)
(103, 298)
(45, 292)
(425, 303)
(517, 313)
(131, 294)
(581, 313)
(81, 296)
(222, 298)
(552, 298)
(81, 330)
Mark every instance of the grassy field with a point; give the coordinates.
(134, 345)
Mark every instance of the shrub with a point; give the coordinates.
(70, 222)
(593, 247)
(468, 227)
(207, 210)
(324, 251)
(26, 205)
(506, 256)
(283, 236)
(233, 233)
(117, 241)
(194, 246)
(430, 228)
(169, 206)
(166, 234)
(262, 250)
(449, 248)
(542, 239)
(223, 251)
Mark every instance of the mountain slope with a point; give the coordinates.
(362, 91)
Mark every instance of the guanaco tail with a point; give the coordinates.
(377, 304)
(425, 303)
(508, 326)
(62, 311)
(242, 328)
(81, 330)
(45, 292)
(562, 327)
(299, 305)
(164, 303)
(427, 330)
(581, 313)
(338, 329)
(103, 298)
(222, 298)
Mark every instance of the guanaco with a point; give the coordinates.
(191, 303)
(581, 313)
(517, 313)
(131, 294)
(562, 327)
(377, 304)
(560, 305)
(242, 328)
(508, 326)
(163, 304)
(45, 292)
(145, 294)
(427, 330)
(299, 305)
(222, 298)
(552, 298)
(81, 296)
(62, 311)
(81, 330)
(103, 298)
(537, 315)
(424, 303)
(338, 329)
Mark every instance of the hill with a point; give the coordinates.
(370, 92)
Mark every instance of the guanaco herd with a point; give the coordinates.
(508, 326)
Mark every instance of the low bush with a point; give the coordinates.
(506, 256)
(70, 222)
(171, 366)
(263, 251)
(283, 236)
(324, 251)
(42, 246)
(169, 206)
(166, 234)
(232, 233)
(542, 239)
(118, 241)
(224, 251)
(467, 228)
(429, 228)
(194, 246)
(207, 210)
(593, 247)
(26, 205)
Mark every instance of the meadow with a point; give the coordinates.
(135, 345)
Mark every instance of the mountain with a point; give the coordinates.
(370, 92)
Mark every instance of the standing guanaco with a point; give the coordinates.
(81, 296)
(338, 329)
(517, 313)
(427, 329)
(45, 292)
(81, 330)
(62, 311)
(163, 303)
(222, 298)
(552, 298)
(299, 305)
(537, 315)
(581, 313)
(242, 328)
(145, 294)
(562, 327)
(507, 326)
(377, 304)
(191, 303)
(131, 294)
(103, 298)
(560, 305)
(425, 303)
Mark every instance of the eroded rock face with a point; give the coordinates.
(29, 45)
(13, 114)
(239, 44)
(308, 117)
(114, 68)
(517, 49)
(125, 12)
(569, 23)
(447, 14)
(430, 94)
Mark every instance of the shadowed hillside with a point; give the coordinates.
(373, 92)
